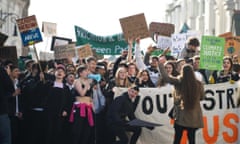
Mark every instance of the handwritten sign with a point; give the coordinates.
(64, 51)
(29, 30)
(134, 26)
(232, 45)
(46, 56)
(49, 29)
(164, 29)
(84, 51)
(178, 43)
(164, 42)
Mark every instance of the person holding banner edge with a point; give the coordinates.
(188, 92)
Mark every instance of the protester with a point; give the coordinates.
(226, 74)
(58, 105)
(143, 79)
(122, 108)
(16, 108)
(34, 90)
(121, 58)
(191, 48)
(83, 122)
(150, 65)
(171, 71)
(6, 91)
(187, 95)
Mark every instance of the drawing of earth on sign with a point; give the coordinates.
(231, 48)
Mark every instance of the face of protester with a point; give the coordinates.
(70, 70)
(169, 69)
(192, 47)
(122, 73)
(196, 64)
(124, 53)
(132, 70)
(226, 65)
(132, 93)
(84, 73)
(15, 73)
(92, 66)
(144, 76)
(59, 73)
(154, 63)
(70, 79)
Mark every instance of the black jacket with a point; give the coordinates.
(6, 90)
(121, 108)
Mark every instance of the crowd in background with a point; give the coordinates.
(43, 104)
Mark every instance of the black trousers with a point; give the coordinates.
(83, 133)
(179, 131)
(120, 132)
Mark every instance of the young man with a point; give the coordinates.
(121, 108)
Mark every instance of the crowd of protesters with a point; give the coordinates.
(52, 102)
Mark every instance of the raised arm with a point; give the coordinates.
(166, 77)
(138, 56)
(130, 45)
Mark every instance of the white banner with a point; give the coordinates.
(220, 115)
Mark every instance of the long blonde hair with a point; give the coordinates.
(126, 82)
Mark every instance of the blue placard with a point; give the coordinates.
(31, 36)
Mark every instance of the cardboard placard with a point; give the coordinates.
(9, 53)
(84, 51)
(29, 30)
(49, 29)
(225, 35)
(64, 51)
(46, 56)
(232, 44)
(164, 29)
(134, 26)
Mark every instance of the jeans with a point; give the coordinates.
(5, 129)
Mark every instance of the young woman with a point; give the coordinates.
(226, 74)
(171, 71)
(82, 111)
(188, 92)
(143, 79)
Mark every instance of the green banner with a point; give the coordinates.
(104, 45)
(212, 52)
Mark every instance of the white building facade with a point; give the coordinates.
(209, 17)
(10, 10)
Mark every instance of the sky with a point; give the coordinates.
(100, 17)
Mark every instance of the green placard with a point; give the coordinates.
(212, 52)
(103, 45)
